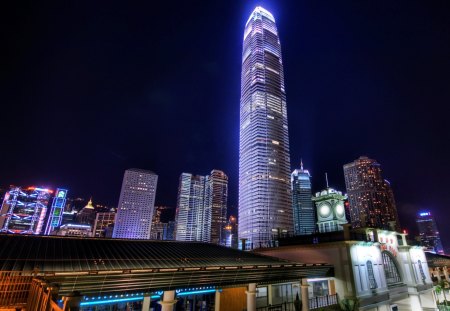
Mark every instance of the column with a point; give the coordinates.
(217, 301)
(437, 271)
(168, 300)
(72, 301)
(146, 302)
(446, 273)
(269, 295)
(305, 295)
(251, 297)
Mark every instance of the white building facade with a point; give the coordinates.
(136, 204)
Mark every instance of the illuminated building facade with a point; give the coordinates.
(265, 202)
(429, 233)
(216, 199)
(136, 203)
(24, 210)
(330, 210)
(371, 198)
(55, 215)
(202, 207)
(231, 233)
(302, 205)
(103, 220)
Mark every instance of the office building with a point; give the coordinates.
(55, 216)
(191, 218)
(75, 230)
(24, 210)
(201, 207)
(429, 233)
(265, 202)
(371, 198)
(136, 203)
(302, 205)
(217, 198)
(103, 221)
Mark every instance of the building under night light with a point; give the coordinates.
(265, 202)
(24, 210)
(429, 233)
(370, 196)
(136, 203)
(302, 205)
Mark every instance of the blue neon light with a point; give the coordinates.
(100, 302)
(206, 291)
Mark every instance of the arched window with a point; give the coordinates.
(390, 269)
(372, 281)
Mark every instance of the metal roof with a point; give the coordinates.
(135, 265)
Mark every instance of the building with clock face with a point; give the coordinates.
(330, 210)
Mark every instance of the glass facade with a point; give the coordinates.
(202, 207)
(429, 233)
(265, 202)
(302, 205)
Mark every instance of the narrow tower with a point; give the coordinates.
(302, 205)
(265, 202)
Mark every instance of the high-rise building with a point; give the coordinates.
(265, 202)
(201, 207)
(371, 198)
(87, 214)
(103, 220)
(217, 198)
(55, 215)
(136, 203)
(429, 233)
(191, 215)
(24, 210)
(302, 205)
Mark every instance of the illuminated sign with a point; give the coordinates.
(425, 214)
(61, 194)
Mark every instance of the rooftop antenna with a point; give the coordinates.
(326, 178)
(301, 164)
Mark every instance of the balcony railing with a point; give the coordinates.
(314, 303)
(323, 301)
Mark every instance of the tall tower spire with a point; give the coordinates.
(265, 202)
(301, 164)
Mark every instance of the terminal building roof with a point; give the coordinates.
(118, 264)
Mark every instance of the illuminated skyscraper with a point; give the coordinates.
(302, 204)
(56, 211)
(265, 202)
(136, 203)
(217, 198)
(193, 223)
(24, 210)
(429, 233)
(371, 198)
(202, 207)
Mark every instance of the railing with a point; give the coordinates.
(323, 301)
(285, 306)
(314, 303)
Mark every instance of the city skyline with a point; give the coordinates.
(389, 59)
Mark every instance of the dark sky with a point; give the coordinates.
(91, 88)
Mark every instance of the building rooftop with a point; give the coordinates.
(141, 264)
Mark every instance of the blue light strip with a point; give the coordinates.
(100, 302)
(206, 291)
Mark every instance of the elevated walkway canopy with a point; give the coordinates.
(92, 265)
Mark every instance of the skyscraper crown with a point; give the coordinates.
(260, 11)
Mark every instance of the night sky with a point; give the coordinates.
(91, 88)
